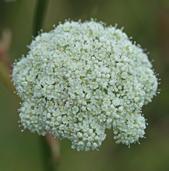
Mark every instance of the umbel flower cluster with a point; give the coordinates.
(83, 78)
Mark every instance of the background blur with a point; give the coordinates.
(147, 21)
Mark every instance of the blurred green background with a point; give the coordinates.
(147, 21)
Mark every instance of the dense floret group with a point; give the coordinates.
(83, 78)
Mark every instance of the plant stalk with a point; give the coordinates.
(48, 144)
(39, 16)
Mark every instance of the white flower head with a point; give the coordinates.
(83, 78)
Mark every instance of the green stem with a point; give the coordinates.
(40, 11)
(48, 160)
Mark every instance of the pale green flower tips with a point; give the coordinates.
(83, 78)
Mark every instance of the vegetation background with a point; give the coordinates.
(147, 21)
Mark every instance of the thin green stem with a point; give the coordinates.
(49, 161)
(50, 164)
(40, 11)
